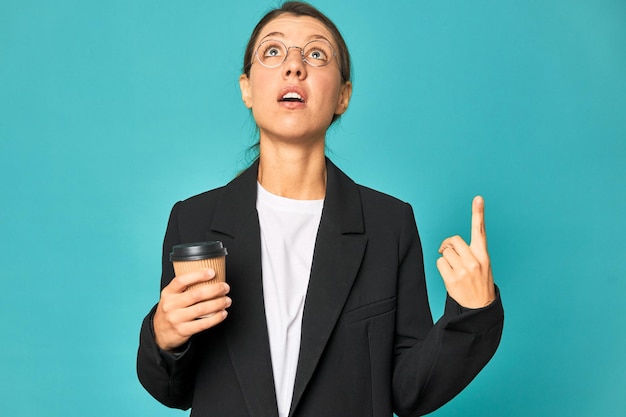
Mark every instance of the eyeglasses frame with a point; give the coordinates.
(288, 48)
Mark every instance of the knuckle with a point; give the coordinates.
(165, 306)
(200, 309)
(181, 332)
(463, 273)
(195, 294)
(441, 262)
(219, 317)
(451, 282)
(473, 266)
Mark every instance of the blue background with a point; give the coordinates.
(111, 111)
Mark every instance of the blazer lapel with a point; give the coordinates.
(236, 224)
(339, 250)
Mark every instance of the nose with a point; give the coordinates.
(294, 64)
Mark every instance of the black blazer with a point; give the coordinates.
(369, 346)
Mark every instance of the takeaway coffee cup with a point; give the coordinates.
(189, 257)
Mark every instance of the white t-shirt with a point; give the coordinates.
(288, 232)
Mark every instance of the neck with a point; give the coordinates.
(293, 171)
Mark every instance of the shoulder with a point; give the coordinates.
(223, 204)
(378, 198)
(385, 210)
(202, 201)
(192, 216)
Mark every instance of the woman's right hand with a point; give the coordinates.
(181, 313)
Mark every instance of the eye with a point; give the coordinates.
(271, 49)
(318, 53)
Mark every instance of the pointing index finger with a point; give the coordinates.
(478, 234)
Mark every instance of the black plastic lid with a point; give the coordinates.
(197, 250)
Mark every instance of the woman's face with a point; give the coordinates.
(295, 101)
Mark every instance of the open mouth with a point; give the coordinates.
(292, 97)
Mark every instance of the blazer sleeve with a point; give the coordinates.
(433, 363)
(168, 377)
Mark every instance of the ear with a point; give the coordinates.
(344, 98)
(244, 86)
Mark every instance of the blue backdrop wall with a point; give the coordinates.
(111, 111)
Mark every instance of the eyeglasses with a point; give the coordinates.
(272, 53)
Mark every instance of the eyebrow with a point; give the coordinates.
(282, 35)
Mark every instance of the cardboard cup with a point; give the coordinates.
(189, 257)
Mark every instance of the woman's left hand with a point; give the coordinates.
(466, 269)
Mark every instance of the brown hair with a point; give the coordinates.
(298, 8)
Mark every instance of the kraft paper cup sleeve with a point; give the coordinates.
(217, 264)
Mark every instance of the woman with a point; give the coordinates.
(329, 313)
